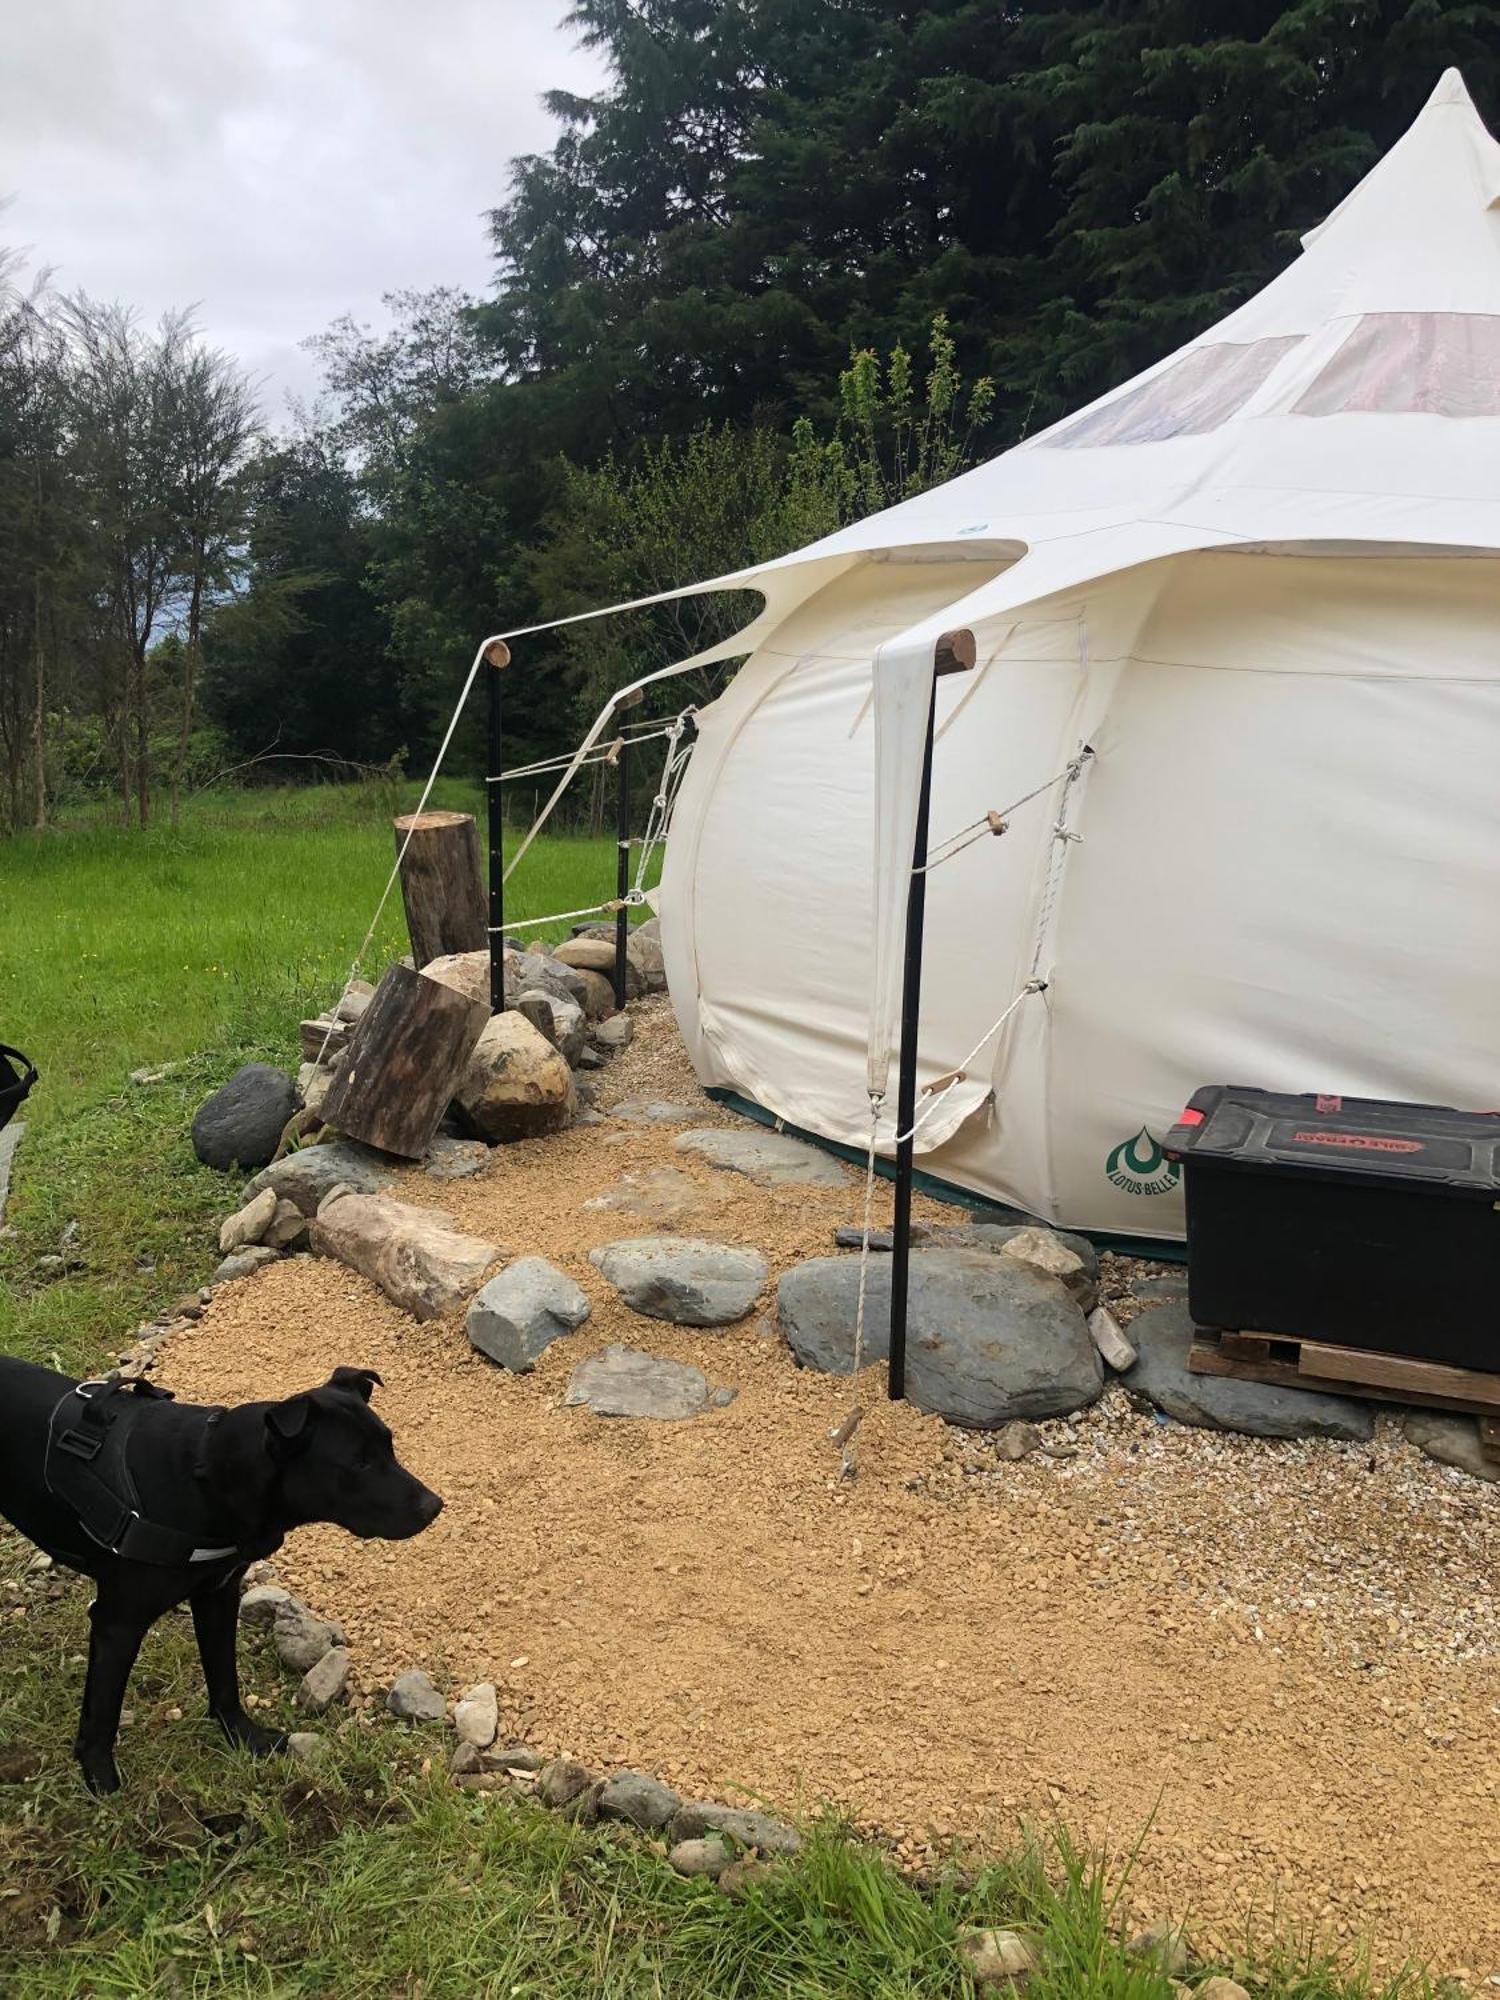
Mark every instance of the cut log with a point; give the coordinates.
(441, 884)
(406, 1057)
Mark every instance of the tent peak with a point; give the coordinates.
(1450, 89)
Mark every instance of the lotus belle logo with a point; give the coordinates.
(1139, 1166)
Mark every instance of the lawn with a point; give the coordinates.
(188, 952)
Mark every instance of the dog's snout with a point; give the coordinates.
(429, 1506)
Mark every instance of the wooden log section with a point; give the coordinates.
(406, 1057)
(441, 884)
(954, 653)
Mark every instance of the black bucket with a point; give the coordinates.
(17, 1075)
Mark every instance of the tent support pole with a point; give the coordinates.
(955, 653)
(622, 866)
(497, 656)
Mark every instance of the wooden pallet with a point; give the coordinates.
(1356, 1371)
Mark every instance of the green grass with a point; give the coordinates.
(196, 950)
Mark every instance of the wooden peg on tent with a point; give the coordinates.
(497, 653)
(955, 652)
(997, 825)
(945, 1082)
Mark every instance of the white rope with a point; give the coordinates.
(566, 916)
(994, 822)
(659, 819)
(603, 753)
(395, 875)
(1031, 986)
(843, 1434)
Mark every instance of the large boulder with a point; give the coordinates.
(988, 1339)
(770, 1159)
(468, 972)
(242, 1123)
(683, 1278)
(517, 1086)
(519, 1314)
(306, 1176)
(418, 1259)
(645, 955)
(1162, 1337)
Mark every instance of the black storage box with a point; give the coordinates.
(1344, 1219)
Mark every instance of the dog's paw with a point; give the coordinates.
(250, 1736)
(99, 1772)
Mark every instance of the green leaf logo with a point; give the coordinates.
(1139, 1166)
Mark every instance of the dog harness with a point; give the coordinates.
(87, 1468)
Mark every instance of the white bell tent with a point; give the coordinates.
(1238, 636)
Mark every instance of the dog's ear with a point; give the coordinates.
(361, 1380)
(289, 1426)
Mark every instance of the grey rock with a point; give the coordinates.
(517, 1315)
(1165, 1945)
(323, 1684)
(517, 1757)
(770, 1159)
(10, 1139)
(449, 1159)
(614, 1033)
(245, 1263)
(1115, 1350)
(655, 1194)
(287, 1229)
(708, 1857)
(562, 1781)
(586, 1115)
(720, 1399)
(746, 1828)
(1451, 1440)
(417, 1258)
(476, 1715)
(354, 1001)
(683, 1278)
(248, 1224)
(655, 1111)
(644, 1802)
(1162, 1337)
(305, 1177)
(623, 1382)
(242, 1123)
(591, 1058)
(559, 1018)
(414, 1698)
(314, 1081)
(308, 1747)
(300, 1638)
(260, 1604)
(996, 1236)
(997, 1960)
(1017, 1441)
(323, 1038)
(989, 1339)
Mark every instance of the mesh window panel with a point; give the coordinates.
(1195, 394)
(1409, 363)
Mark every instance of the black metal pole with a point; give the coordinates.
(906, 1083)
(497, 654)
(622, 866)
(954, 653)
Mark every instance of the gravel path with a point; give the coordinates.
(1285, 1653)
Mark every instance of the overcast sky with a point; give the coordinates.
(273, 162)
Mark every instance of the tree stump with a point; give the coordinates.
(406, 1056)
(442, 884)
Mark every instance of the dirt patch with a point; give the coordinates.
(1283, 1656)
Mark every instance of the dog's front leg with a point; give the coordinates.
(115, 1635)
(215, 1620)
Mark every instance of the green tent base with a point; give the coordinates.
(1158, 1248)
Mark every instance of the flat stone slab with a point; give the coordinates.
(989, 1339)
(655, 1194)
(770, 1159)
(449, 1159)
(517, 1315)
(1451, 1440)
(624, 1382)
(1162, 1337)
(655, 1111)
(10, 1139)
(683, 1278)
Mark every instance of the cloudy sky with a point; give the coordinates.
(275, 164)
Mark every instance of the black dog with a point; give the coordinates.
(160, 1501)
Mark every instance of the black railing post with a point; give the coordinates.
(955, 653)
(497, 656)
(622, 864)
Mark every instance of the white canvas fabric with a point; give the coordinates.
(1261, 586)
